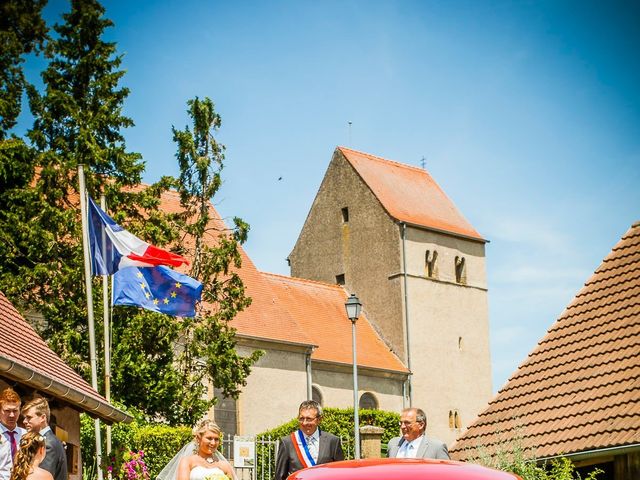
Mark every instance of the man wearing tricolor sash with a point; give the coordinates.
(307, 446)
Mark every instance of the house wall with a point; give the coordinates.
(68, 419)
(337, 389)
(276, 387)
(365, 249)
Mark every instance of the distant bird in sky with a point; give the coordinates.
(279, 178)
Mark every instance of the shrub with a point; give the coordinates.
(334, 420)
(159, 443)
(510, 455)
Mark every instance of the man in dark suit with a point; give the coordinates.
(36, 419)
(414, 443)
(308, 445)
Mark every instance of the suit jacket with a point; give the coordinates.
(287, 462)
(55, 460)
(429, 448)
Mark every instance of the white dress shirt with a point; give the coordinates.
(5, 458)
(410, 449)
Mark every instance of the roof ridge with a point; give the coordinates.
(377, 158)
(304, 280)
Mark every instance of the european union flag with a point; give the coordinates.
(157, 288)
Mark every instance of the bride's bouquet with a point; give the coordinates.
(216, 476)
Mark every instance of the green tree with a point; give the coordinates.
(22, 31)
(208, 341)
(78, 120)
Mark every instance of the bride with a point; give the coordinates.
(200, 459)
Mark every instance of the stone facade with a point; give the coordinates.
(364, 248)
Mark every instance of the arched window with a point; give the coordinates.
(461, 274)
(430, 258)
(225, 413)
(316, 395)
(368, 401)
(454, 419)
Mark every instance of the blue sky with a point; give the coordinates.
(527, 114)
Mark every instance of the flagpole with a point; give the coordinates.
(89, 290)
(106, 322)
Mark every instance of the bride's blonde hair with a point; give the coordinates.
(30, 445)
(205, 425)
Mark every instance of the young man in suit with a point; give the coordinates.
(10, 432)
(36, 419)
(414, 443)
(308, 445)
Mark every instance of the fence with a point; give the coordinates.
(257, 461)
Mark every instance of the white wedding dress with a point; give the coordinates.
(200, 473)
(169, 472)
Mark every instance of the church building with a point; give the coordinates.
(388, 233)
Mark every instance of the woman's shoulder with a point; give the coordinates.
(39, 474)
(189, 460)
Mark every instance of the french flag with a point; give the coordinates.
(113, 248)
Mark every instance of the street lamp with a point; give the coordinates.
(353, 307)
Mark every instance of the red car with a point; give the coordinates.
(400, 469)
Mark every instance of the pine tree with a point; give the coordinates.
(78, 120)
(22, 31)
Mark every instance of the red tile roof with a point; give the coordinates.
(263, 319)
(579, 390)
(319, 310)
(291, 310)
(409, 194)
(26, 358)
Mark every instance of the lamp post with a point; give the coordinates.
(353, 307)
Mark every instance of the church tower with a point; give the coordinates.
(389, 234)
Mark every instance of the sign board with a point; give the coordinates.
(244, 452)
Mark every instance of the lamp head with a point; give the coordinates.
(353, 307)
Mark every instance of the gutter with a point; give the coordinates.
(406, 314)
(91, 405)
(587, 454)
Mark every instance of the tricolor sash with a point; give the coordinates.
(306, 460)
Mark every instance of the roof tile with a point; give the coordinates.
(409, 194)
(579, 389)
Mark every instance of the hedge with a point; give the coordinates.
(161, 442)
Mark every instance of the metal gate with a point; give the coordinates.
(264, 456)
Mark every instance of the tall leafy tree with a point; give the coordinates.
(206, 344)
(78, 119)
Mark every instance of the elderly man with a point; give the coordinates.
(10, 432)
(308, 445)
(36, 418)
(414, 443)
